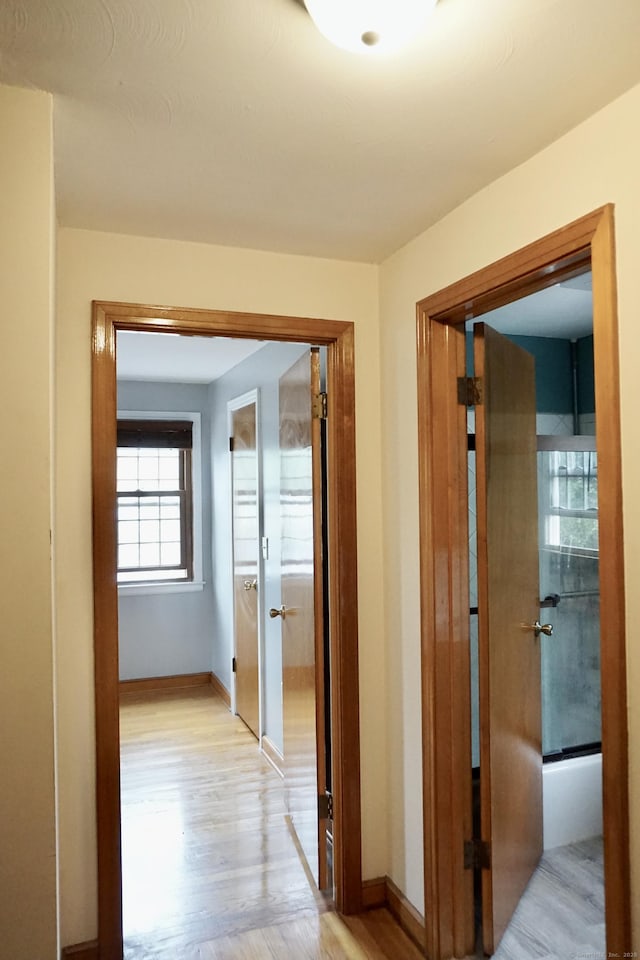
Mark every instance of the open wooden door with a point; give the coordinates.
(302, 609)
(244, 471)
(508, 608)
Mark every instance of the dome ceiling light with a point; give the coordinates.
(370, 26)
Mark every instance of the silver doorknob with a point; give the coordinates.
(278, 612)
(546, 628)
(250, 585)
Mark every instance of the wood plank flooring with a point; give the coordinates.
(210, 867)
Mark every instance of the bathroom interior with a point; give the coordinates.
(555, 325)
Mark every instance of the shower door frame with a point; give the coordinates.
(442, 451)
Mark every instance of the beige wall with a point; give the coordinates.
(110, 267)
(27, 805)
(596, 163)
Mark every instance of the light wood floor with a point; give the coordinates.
(210, 868)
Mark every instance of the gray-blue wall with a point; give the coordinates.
(554, 373)
(172, 633)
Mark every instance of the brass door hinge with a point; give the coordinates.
(477, 855)
(319, 406)
(470, 391)
(325, 806)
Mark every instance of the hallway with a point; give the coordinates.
(210, 867)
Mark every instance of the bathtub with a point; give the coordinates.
(572, 800)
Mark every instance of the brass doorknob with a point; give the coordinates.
(546, 628)
(278, 612)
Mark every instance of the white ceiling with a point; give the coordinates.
(236, 122)
(563, 311)
(162, 356)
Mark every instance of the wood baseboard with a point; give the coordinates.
(273, 755)
(81, 951)
(374, 893)
(411, 921)
(220, 689)
(165, 683)
(382, 892)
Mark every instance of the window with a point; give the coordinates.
(571, 479)
(155, 503)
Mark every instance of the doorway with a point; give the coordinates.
(337, 337)
(449, 837)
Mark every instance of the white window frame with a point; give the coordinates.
(176, 586)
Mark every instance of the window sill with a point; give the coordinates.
(148, 589)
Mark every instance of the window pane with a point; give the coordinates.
(170, 509)
(149, 554)
(126, 485)
(170, 531)
(149, 531)
(581, 533)
(169, 470)
(128, 555)
(128, 531)
(150, 508)
(148, 470)
(127, 467)
(170, 553)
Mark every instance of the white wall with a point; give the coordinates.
(166, 633)
(28, 864)
(596, 163)
(111, 267)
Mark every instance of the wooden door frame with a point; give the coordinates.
(338, 337)
(442, 446)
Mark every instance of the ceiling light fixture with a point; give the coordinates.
(369, 26)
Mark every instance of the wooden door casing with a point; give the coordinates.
(508, 606)
(338, 337)
(569, 251)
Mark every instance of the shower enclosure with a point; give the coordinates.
(570, 600)
(569, 592)
(569, 586)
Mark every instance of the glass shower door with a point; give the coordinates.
(569, 586)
